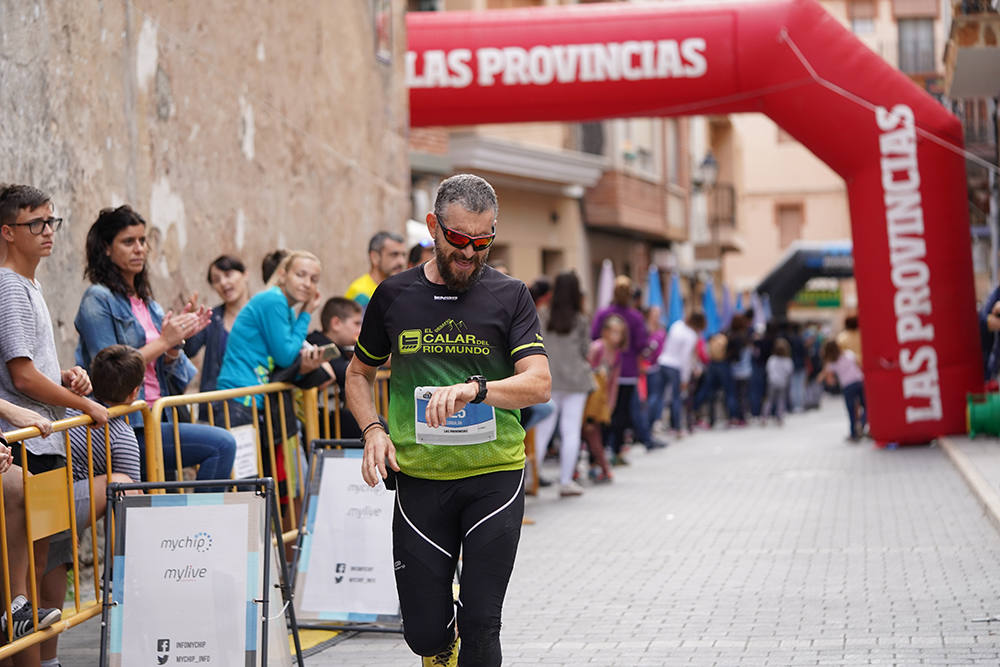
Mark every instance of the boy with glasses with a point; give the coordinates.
(30, 376)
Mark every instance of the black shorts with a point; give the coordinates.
(37, 463)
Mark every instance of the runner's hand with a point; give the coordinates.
(77, 381)
(378, 447)
(446, 401)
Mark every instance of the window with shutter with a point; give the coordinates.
(790, 218)
(916, 45)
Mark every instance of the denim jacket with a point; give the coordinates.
(105, 318)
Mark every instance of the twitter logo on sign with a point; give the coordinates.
(162, 646)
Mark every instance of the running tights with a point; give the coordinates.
(433, 520)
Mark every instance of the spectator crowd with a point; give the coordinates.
(132, 347)
(620, 377)
(635, 382)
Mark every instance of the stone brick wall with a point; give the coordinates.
(232, 127)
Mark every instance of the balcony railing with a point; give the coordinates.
(722, 205)
(977, 6)
(978, 121)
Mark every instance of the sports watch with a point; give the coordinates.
(481, 394)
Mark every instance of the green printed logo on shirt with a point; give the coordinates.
(448, 338)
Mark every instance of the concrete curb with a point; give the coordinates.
(982, 489)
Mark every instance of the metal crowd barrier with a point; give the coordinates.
(49, 509)
(330, 416)
(48, 497)
(274, 391)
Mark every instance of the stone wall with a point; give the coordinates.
(232, 127)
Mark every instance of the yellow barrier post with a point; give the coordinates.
(49, 507)
(5, 553)
(310, 408)
(74, 543)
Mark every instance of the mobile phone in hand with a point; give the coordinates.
(329, 352)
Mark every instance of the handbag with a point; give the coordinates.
(597, 407)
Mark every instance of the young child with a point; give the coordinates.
(843, 365)
(779, 369)
(341, 323)
(117, 371)
(605, 357)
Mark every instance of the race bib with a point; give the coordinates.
(474, 424)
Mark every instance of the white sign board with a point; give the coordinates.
(245, 463)
(187, 569)
(345, 568)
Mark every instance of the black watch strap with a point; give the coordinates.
(481, 394)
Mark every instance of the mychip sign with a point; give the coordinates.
(187, 569)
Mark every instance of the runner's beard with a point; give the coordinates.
(454, 281)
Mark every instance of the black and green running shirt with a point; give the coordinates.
(438, 337)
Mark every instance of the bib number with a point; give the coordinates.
(474, 424)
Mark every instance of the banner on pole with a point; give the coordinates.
(345, 570)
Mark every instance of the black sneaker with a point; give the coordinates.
(21, 609)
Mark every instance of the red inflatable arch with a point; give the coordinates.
(896, 147)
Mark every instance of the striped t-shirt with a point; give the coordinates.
(124, 448)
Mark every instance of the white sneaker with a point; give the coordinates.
(570, 489)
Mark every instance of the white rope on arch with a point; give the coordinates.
(786, 38)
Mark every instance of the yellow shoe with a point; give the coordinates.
(446, 658)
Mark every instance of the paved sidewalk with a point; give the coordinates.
(756, 546)
(978, 461)
(753, 546)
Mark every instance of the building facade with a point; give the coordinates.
(571, 194)
(229, 130)
(784, 193)
(972, 87)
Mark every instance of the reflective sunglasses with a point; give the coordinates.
(38, 224)
(460, 240)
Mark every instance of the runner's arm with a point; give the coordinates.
(530, 384)
(359, 385)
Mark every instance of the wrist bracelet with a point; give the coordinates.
(365, 430)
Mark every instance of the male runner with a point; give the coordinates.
(468, 337)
